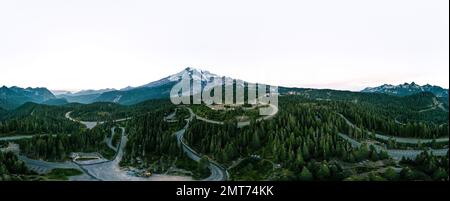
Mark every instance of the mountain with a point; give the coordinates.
(60, 92)
(91, 91)
(155, 90)
(131, 95)
(407, 89)
(85, 99)
(2, 112)
(84, 96)
(56, 101)
(13, 97)
(195, 74)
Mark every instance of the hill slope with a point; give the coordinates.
(13, 97)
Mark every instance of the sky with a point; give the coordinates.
(346, 44)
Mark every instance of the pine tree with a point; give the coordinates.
(305, 175)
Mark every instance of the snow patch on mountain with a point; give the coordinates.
(407, 89)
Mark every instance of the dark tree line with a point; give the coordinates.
(301, 138)
(58, 147)
(425, 167)
(10, 165)
(151, 142)
(368, 117)
(32, 118)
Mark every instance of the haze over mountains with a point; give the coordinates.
(13, 97)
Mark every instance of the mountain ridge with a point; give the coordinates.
(161, 88)
(15, 96)
(407, 89)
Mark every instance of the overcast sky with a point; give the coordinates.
(341, 44)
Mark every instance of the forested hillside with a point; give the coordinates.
(11, 169)
(2, 112)
(152, 144)
(103, 111)
(302, 142)
(305, 140)
(13, 97)
(32, 118)
(58, 147)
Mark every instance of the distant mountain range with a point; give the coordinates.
(154, 90)
(88, 92)
(85, 96)
(132, 95)
(13, 97)
(407, 89)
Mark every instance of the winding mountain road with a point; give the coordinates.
(39, 166)
(92, 124)
(397, 154)
(16, 137)
(218, 173)
(111, 171)
(274, 111)
(109, 141)
(94, 170)
(436, 104)
(405, 140)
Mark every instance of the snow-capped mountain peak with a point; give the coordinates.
(195, 74)
(407, 89)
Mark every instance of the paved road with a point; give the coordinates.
(109, 141)
(17, 137)
(43, 167)
(111, 171)
(274, 111)
(93, 170)
(405, 140)
(39, 166)
(92, 124)
(436, 104)
(21, 137)
(397, 121)
(88, 125)
(397, 154)
(218, 173)
(394, 153)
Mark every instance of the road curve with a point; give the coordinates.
(405, 140)
(274, 111)
(218, 173)
(109, 140)
(397, 154)
(44, 167)
(92, 124)
(111, 170)
(17, 137)
(21, 137)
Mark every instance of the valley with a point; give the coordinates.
(311, 134)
